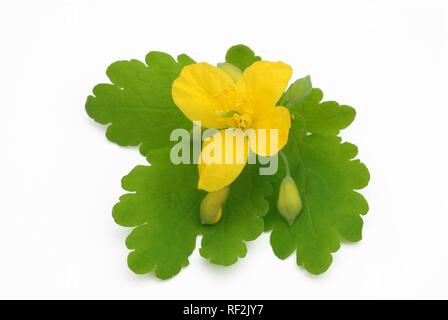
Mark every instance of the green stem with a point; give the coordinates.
(285, 160)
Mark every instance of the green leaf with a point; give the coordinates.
(297, 92)
(241, 56)
(327, 176)
(138, 104)
(224, 242)
(326, 117)
(164, 208)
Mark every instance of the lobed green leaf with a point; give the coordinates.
(164, 209)
(327, 176)
(241, 56)
(326, 117)
(138, 105)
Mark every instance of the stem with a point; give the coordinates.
(285, 160)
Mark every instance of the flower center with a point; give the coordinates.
(243, 121)
(238, 110)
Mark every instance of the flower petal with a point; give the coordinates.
(266, 142)
(264, 83)
(195, 91)
(222, 159)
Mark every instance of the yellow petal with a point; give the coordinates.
(195, 92)
(222, 159)
(264, 83)
(270, 134)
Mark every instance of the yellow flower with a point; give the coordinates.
(221, 100)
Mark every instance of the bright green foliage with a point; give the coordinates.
(327, 176)
(138, 104)
(241, 56)
(163, 203)
(164, 208)
(323, 117)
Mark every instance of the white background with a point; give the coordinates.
(60, 177)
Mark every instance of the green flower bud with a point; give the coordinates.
(211, 206)
(234, 72)
(289, 201)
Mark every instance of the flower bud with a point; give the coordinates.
(211, 206)
(289, 201)
(233, 71)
